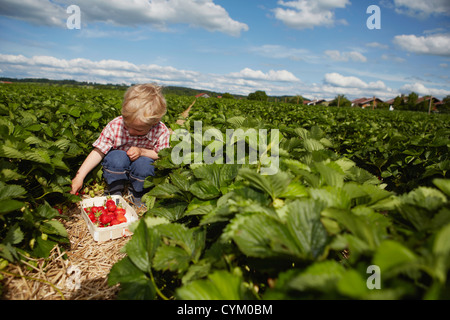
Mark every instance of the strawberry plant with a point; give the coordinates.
(310, 231)
(356, 189)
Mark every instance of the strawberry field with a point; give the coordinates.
(359, 208)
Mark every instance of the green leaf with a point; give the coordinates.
(200, 207)
(42, 248)
(14, 235)
(295, 190)
(181, 180)
(220, 285)
(172, 211)
(8, 252)
(165, 191)
(171, 258)
(142, 246)
(391, 254)
(322, 276)
(353, 285)
(45, 211)
(218, 175)
(274, 185)
(303, 222)
(191, 240)
(134, 284)
(441, 244)
(11, 152)
(75, 112)
(204, 190)
(443, 185)
(54, 227)
(361, 226)
(10, 205)
(262, 236)
(331, 173)
(332, 196)
(312, 145)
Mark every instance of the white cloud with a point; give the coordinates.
(40, 12)
(345, 56)
(272, 75)
(422, 8)
(377, 45)
(353, 87)
(158, 13)
(339, 80)
(436, 44)
(117, 71)
(303, 14)
(420, 89)
(280, 52)
(104, 71)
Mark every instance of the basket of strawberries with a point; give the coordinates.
(108, 218)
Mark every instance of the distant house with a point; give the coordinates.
(202, 95)
(314, 102)
(435, 100)
(426, 99)
(366, 102)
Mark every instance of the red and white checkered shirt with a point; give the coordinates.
(116, 136)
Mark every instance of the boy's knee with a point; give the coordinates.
(117, 160)
(143, 167)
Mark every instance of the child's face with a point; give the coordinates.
(137, 127)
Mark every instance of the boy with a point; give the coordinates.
(129, 144)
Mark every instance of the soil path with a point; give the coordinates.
(185, 114)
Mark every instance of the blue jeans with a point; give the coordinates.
(118, 169)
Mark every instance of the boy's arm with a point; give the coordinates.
(135, 153)
(92, 160)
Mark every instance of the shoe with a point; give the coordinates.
(115, 188)
(137, 200)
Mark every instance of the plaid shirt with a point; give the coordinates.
(116, 136)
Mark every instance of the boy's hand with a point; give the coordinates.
(134, 153)
(77, 184)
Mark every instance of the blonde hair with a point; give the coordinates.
(144, 102)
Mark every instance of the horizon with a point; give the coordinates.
(316, 49)
(196, 90)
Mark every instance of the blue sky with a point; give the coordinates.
(317, 49)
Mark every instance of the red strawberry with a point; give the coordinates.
(105, 219)
(109, 200)
(111, 207)
(93, 217)
(121, 218)
(121, 210)
(94, 209)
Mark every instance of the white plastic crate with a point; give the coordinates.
(108, 233)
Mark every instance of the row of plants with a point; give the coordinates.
(47, 133)
(314, 230)
(405, 149)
